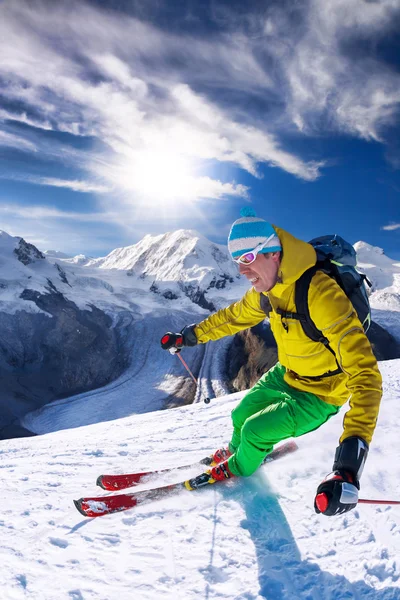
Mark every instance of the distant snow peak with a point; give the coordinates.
(361, 247)
(56, 254)
(8, 242)
(5, 236)
(80, 259)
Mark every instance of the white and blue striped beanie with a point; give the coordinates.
(249, 231)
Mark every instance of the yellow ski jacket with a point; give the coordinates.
(332, 312)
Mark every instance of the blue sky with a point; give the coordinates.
(119, 119)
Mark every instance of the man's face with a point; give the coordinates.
(263, 272)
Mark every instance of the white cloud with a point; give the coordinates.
(76, 186)
(32, 212)
(22, 117)
(16, 141)
(333, 86)
(391, 227)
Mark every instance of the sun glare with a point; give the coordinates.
(161, 177)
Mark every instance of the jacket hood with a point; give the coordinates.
(298, 256)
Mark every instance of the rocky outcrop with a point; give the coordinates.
(251, 355)
(384, 345)
(53, 354)
(198, 296)
(28, 253)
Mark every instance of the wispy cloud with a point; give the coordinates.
(391, 227)
(22, 117)
(76, 186)
(69, 184)
(49, 212)
(16, 141)
(334, 82)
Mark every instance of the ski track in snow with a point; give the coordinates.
(247, 539)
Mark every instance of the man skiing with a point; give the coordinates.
(311, 381)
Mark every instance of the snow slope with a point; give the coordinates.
(246, 539)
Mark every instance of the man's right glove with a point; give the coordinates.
(175, 341)
(338, 493)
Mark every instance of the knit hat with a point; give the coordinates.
(249, 231)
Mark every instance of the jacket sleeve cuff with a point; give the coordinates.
(189, 335)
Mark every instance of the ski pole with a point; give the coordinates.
(206, 400)
(367, 501)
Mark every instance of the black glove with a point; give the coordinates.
(338, 493)
(175, 341)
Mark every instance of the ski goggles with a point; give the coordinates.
(249, 257)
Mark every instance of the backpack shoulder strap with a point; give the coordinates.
(302, 307)
(265, 304)
(301, 301)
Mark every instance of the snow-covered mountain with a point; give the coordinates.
(384, 274)
(179, 263)
(254, 538)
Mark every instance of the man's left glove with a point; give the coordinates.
(175, 341)
(338, 493)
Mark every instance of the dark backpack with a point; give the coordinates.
(337, 258)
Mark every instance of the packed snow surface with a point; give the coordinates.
(245, 539)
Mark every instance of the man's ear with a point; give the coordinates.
(276, 256)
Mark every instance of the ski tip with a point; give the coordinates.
(78, 506)
(99, 482)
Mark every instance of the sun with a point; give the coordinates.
(159, 178)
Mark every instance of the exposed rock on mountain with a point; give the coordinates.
(27, 253)
(48, 356)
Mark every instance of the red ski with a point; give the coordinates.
(122, 482)
(104, 505)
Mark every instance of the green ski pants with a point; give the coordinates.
(270, 412)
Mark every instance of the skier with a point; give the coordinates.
(311, 381)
